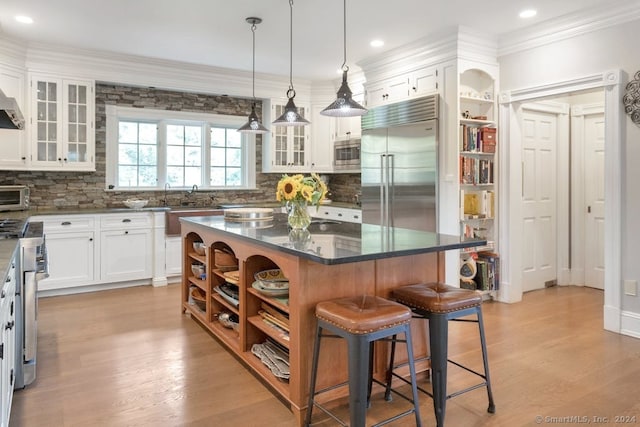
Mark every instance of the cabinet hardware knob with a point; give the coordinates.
(91, 239)
(126, 220)
(126, 232)
(66, 223)
(9, 325)
(23, 158)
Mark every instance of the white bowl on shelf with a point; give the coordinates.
(199, 247)
(135, 203)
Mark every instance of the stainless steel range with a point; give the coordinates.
(32, 266)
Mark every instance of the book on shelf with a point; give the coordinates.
(477, 139)
(476, 171)
(477, 204)
(491, 261)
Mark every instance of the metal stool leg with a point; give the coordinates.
(412, 370)
(389, 377)
(358, 379)
(492, 407)
(314, 374)
(438, 341)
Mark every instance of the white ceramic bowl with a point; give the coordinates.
(197, 270)
(135, 203)
(199, 247)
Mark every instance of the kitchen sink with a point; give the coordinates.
(172, 227)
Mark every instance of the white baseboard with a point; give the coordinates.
(630, 324)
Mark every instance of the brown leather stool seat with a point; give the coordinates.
(439, 303)
(437, 297)
(361, 321)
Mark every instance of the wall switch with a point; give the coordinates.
(630, 287)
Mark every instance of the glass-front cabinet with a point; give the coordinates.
(288, 149)
(62, 132)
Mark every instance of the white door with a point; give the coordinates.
(594, 199)
(539, 199)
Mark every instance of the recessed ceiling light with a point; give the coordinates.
(377, 43)
(24, 19)
(528, 13)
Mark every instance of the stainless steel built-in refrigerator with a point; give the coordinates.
(399, 164)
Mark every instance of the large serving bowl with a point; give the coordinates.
(272, 279)
(135, 203)
(198, 247)
(225, 261)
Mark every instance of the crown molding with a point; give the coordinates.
(12, 52)
(568, 26)
(452, 44)
(134, 70)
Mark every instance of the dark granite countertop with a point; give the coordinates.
(332, 242)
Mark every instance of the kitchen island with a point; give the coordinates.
(332, 260)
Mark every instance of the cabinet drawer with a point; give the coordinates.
(120, 221)
(54, 224)
(338, 214)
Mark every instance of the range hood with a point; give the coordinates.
(10, 115)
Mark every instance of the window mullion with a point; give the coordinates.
(206, 154)
(162, 154)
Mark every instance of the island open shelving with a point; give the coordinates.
(346, 260)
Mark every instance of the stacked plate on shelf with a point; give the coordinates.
(271, 283)
(229, 292)
(274, 357)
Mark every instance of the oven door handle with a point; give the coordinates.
(30, 301)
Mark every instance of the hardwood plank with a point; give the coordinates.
(129, 357)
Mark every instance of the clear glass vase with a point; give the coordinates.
(299, 218)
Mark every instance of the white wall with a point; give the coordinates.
(611, 48)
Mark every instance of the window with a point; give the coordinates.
(148, 149)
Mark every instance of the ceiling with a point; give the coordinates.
(214, 32)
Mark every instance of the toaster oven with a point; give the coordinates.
(14, 197)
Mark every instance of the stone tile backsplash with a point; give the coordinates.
(59, 190)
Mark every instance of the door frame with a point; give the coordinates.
(510, 158)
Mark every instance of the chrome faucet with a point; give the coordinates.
(193, 189)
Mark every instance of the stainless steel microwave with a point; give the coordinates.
(346, 154)
(14, 197)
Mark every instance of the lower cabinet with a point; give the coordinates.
(8, 345)
(173, 256)
(125, 255)
(71, 260)
(86, 250)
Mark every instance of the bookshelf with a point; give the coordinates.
(477, 153)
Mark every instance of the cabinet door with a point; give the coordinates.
(322, 136)
(173, 256)
(388, 91)
(71, 258)
(46, 111)
(78, 134)
(125, 255)
(13, 148)
(423, 82)
(8, 335)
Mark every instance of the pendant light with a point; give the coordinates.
(344, 105)
(291, 117)
(253, 125)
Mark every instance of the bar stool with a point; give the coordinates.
(440, 303)
(361, 321)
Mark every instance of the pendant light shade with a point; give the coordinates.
(344, 105)
(253, 125)
(290, 116)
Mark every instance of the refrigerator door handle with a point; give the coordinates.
(382, 188)
(390, 189)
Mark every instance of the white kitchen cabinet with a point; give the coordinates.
(13, 146)
(287, 148)
(126, 254)
(336, 213)
(417, 83)
(71, 249)
(322, 137)
(8, 344)
(61, 122)
(173, 256)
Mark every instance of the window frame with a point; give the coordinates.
(115, 113)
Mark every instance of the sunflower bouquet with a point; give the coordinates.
(301, 189)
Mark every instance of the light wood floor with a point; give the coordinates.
(129, 357)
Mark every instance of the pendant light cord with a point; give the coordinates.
(291, 49)
(344, 35)
(253, 89)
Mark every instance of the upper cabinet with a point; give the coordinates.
(62, 116)
(287, 148)
(398, 88)
(13, 152)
